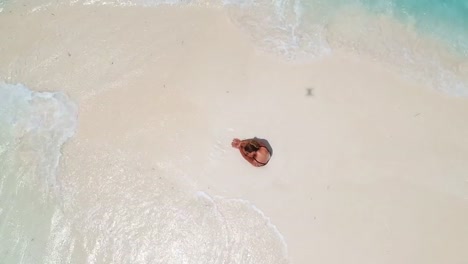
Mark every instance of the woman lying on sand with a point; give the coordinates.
(253, 151)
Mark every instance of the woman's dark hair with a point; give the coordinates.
(252, 146)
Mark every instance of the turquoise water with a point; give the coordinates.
(442, 20)
(425, 41)
(34, 126)
(446, 20)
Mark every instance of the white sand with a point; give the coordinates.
(370, 169)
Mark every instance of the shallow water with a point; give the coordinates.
(33, 127)
(121, 214)
(426, 41)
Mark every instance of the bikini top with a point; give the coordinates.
(262, 163)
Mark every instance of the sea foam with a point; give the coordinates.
(123, 212)
(33, 128)
(425, 41)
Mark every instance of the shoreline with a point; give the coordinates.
(368, 180)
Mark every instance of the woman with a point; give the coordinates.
(253, 151)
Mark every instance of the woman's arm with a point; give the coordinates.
(239, 144)
(250, 157)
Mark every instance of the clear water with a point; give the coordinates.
(426, 41)
(444, 20)
(33, 127)
(116, 214)
(41, 220)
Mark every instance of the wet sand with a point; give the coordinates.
(367, 167)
